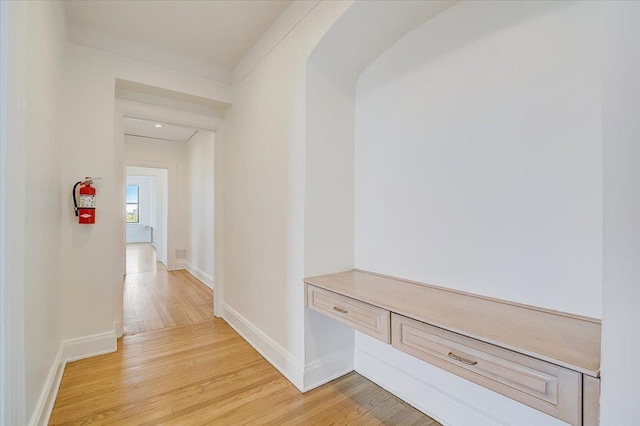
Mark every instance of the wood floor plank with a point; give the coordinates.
(204, 373)
(155, 298)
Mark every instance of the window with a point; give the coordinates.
(133, 203)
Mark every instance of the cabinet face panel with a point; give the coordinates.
(547, 387)
(591, 401)
(363, 317)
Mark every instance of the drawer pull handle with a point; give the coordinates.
(461, 359)
(342, 311)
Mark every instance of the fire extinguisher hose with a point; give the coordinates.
(75, 202)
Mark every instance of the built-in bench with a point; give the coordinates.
(546, 359)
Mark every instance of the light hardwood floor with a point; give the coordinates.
(194, 369)
(141, 257)
(206, 374)
(155, 298)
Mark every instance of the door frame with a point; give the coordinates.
(13, 19)
(171, 189)
(125, 108)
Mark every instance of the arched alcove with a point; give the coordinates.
(457, 144)
(360, 35)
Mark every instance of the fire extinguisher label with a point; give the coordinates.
(87, 201)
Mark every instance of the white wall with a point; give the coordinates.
(42, 197)
(621, 141)
(12, 63)
(91, 288)
(264, 197)
(201, 194)
(139, 150)
(140, 232)
(29, 207)
(328, 209)
(360, 34)
(264, 174)
(478, 155)
(527, 91)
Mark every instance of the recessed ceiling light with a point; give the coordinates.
(158, 125)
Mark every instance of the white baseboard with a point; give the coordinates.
(177, 265)
(219, 309)
(69, 350)
(271, 350)
(88, 346)
(47, 399)
(205, 278)
(118, 329)
(448, 410)
(321, 371)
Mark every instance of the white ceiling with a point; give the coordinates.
(203, 37)
(149, 129)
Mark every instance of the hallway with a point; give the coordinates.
(177, 364)
(204, 374)
(155, 298)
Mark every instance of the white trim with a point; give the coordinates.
(170, 115)
(133, 92)
(177, 265)
(13, 30)
(421, 394)
(126, 61)
(201, 275)
(189, 119)
(89, 346)
(68, 31)
(270, 350)
(321, 371)
(69, 350)
(282, 26)
(44, 406)
(172, 214)
(132, 50)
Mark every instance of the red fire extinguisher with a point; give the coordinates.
(86, 212)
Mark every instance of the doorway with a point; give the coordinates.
(169, 226)
(146, 218)
(177, 257)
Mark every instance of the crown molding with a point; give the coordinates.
(286, 22)
(97, 43)
(136, 62)
(167, 102)
(142, 52)
(175, 64)
(169, 115)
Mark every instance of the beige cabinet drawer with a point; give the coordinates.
(541, 385)
(363, 317)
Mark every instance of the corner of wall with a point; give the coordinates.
(49, 392)
(205, 278)
(272, 351)
(68, 351)
(89, 346)
(328, 368)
